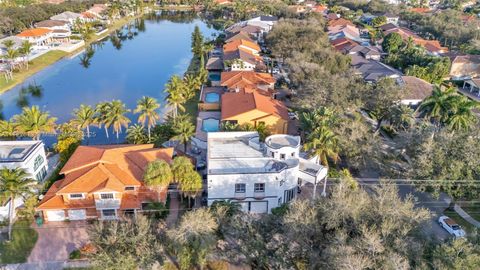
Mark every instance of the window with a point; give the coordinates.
(129, 188)
(273, 154)
(76, 196)
(290, 194)
(108, 212)
(282, 156)
(279, 201)
(106, 196)
(41, 174)
(259, 187)
(37, 162)
(239, 188)
(293, 154)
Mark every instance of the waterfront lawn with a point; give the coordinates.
(191, 107)
(18, 250)
(35, 66)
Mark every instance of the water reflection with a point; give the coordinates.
(134, 61)
(32, 90)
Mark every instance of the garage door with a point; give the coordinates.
(77, 214)
(258, 207)
(55, 215)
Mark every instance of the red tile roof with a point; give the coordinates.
(34, 32)
(234, 104)
(240, 79)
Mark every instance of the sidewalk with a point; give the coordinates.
(466, 216)
(173, 213)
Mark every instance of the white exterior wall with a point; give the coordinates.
(222, 187)
(244, 66)
(5, 209)
(411, 102)
(28, 163)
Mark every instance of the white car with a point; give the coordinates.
(451, 226)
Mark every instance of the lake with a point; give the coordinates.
(135, 61)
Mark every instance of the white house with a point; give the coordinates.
(258, 176)
(29, 155)
(67, 16)
(265, 22)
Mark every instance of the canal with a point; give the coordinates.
(135, 61)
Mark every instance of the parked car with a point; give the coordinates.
(275, 71)
(292, 115)
(451, 226)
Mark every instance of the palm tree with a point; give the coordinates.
(84, 118)
(158, 175)
(185, 130)
(147, 108)
(7, 129)
(463, 117)
(25, 50)
(136, 134)
(101, 116)
(402, 117)
(324, 144)
(116, 116)
(33, 122)
(439, 104)
(14, 183)
(312, 120)
(192, 84)
(175, 89)
(191, 185)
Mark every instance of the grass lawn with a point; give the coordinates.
(191, 107)
(469, 228)
(53, 56)
(18, 250)
(35, 66)
(473, 209)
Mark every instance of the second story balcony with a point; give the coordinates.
(107, 203)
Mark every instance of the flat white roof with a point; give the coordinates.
(15, 151)
(239, 153)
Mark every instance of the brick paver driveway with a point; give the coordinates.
(57, 239)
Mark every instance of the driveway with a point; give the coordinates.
(57, 239)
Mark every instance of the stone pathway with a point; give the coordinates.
(174, 207)
(466, 216)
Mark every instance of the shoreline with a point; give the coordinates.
(57, 55)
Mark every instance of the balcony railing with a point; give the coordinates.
(108, 203)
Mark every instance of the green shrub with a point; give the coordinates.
(75, 255)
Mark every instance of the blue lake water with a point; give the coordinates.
(136, 62)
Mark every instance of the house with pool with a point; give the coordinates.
(259, 176)
(254, 107)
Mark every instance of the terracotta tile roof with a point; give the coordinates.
(420, 10)
(34, 32)
(233, 79)
(239, 35)
(235, 45)
(87, 15)
(104, 168)
(319, 8)
(244, 55)
(130, 201)
(234, 104)
(339, 22)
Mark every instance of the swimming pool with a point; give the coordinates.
(212, 98)
(214, 76)
(210, 125)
